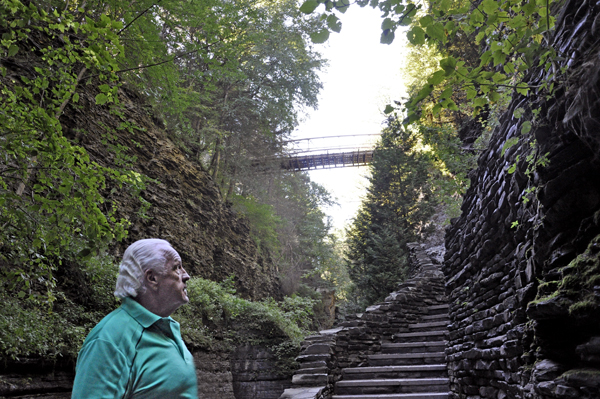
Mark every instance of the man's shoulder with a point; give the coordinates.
(118, 328)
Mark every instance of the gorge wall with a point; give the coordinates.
(523, 271)
(186, 207)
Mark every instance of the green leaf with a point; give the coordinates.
(342, 5)
(479, 36)
(485, 58)
(471, 93)
(509, 68)
(309, 6)
(529, 8)
(416, 36)
(451, 105)
(387, 24)
(84, 253)
(508, 144)
(426, 20)
(479, 101)
(387, 37)
(498, 77)
(436, 31)
(388, 109)
(103, 98)
(333, 22)
(12, 50)
(522, 88)
(445, 5)
(424, 92)
(320, 36)
(437, 78)
(494, 96)
(476, 18)
(526, 127)
(499, 57)
(76, 97)
(489, 6)
(448, 65)
(412, 117)
(446, 93)
(518, 113)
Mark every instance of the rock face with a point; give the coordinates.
(522, 275)
(186, 207)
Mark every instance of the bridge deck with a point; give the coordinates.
(327, 161)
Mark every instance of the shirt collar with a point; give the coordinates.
(142, 315)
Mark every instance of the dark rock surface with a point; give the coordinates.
(524, 299)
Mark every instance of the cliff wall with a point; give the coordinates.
(186, 207)
(522, 262)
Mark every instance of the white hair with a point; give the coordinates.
(142, 255)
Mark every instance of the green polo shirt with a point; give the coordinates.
(133, 353)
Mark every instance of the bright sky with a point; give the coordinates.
(363, 76)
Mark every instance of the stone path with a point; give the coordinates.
(412, 367)
(394, 350)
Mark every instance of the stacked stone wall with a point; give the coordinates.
(254, 374)
(522, 262)
(247, 372)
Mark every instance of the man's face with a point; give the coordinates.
(172, 284)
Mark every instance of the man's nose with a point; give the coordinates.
(185, 276)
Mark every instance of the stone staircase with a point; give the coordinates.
(394, 350)
(412, 367)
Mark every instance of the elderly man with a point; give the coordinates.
(137, 351)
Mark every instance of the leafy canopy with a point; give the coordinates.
(515, 36)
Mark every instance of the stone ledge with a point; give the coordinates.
(303, 393)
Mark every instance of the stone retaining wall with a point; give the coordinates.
(245, 373)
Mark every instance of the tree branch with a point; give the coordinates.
(137, 17)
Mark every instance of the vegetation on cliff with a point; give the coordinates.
(83, 166)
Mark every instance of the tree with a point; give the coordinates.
(52, 205)
(395, 212)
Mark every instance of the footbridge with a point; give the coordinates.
(342, 152)
(328, 160)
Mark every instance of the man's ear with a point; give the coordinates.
(151, 279)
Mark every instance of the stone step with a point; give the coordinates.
(302, 392)
(428, 326)
(414, 347)
(318, 357)
(437, 309)
(432, 395)
(309, 379)
(315, 370)
(312, 365)
(389, 386)
(422, 336)
(440, 316)
(400, 359)
(409, 371)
